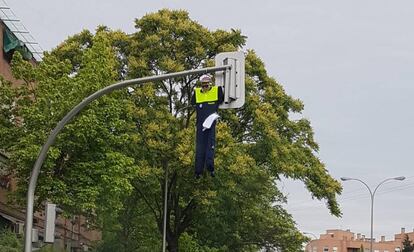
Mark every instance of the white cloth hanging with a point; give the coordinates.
(210, 120)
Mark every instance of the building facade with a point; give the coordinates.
(337, 240)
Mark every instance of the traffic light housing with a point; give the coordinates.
(232, 80)
(49, 236)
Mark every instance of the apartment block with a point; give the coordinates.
(336, 240)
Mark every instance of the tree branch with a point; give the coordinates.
(187, 216)
(147, 203)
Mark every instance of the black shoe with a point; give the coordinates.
(212, 174)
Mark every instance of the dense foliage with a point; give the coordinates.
(110, 162)
(9, 242)
(408, 246)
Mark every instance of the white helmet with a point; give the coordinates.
(205, 78)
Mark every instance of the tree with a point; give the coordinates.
(407, 244)
(87, 171)
(110, 161)
(256, 144)
(9, 242)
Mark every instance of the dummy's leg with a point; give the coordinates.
(210, 149)
(200, 157)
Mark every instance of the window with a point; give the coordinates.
(325, 249)
(315, 249)
(397, 249)
(334, 249)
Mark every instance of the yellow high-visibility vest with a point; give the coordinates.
(209, 96)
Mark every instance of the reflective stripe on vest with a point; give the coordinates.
(209, 96)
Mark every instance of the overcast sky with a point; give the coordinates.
(350, 62)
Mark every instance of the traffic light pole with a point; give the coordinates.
(51, 138)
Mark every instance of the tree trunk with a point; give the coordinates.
(173, 244)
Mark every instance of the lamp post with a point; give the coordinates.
(308, 233)
(310, 242)
(372, 194)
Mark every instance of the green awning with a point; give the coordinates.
(10, 42)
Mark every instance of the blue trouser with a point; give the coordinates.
(205, 142)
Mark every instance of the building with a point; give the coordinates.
(72, 234)
(337, 240)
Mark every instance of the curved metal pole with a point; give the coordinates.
(372, 194)
(309, 233)
(365, 184)
(385, 180)
(50, 140)
(372, 208)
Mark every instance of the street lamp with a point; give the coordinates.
(372, 193)
(310, 242)
(308, 233)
